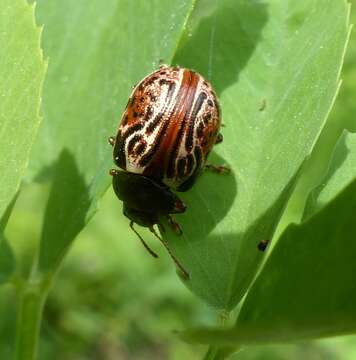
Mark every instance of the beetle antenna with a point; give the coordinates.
(165, 244)
(143, 241)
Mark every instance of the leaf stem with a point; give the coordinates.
(32, 298)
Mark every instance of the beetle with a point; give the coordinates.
(167, 130)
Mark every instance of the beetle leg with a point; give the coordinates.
(143, 241)
(174, 225)
(176, 261)
(219, 169)
(219, 138)
(111, 140)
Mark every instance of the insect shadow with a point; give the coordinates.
(208, 202)
(223, 41)
(223, 263)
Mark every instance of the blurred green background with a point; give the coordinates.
(111, 300)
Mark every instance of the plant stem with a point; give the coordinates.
(32, 298)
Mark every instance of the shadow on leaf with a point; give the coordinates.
(214, 58)
(222, 266)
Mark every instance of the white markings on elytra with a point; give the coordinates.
(160, 91)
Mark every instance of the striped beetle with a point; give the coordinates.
(169, 126)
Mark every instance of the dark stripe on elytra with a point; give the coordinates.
(133, 141)
(190, 163)
(200, 130)
(151, 80)
(190, 135)
(132, 129)
(191, 179)
(198, 158)
(149, 155)
(181, 167)
(154, 123)
(149, 113)
(140, 148)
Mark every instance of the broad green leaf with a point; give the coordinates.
(307, 286)
(22, 71)
(275, 65)
(97, 51)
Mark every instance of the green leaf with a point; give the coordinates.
(97, 52)
(22, 71)
(275, 65)
(307, 286)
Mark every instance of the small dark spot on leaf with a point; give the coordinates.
(262, 245)
(263, 105)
